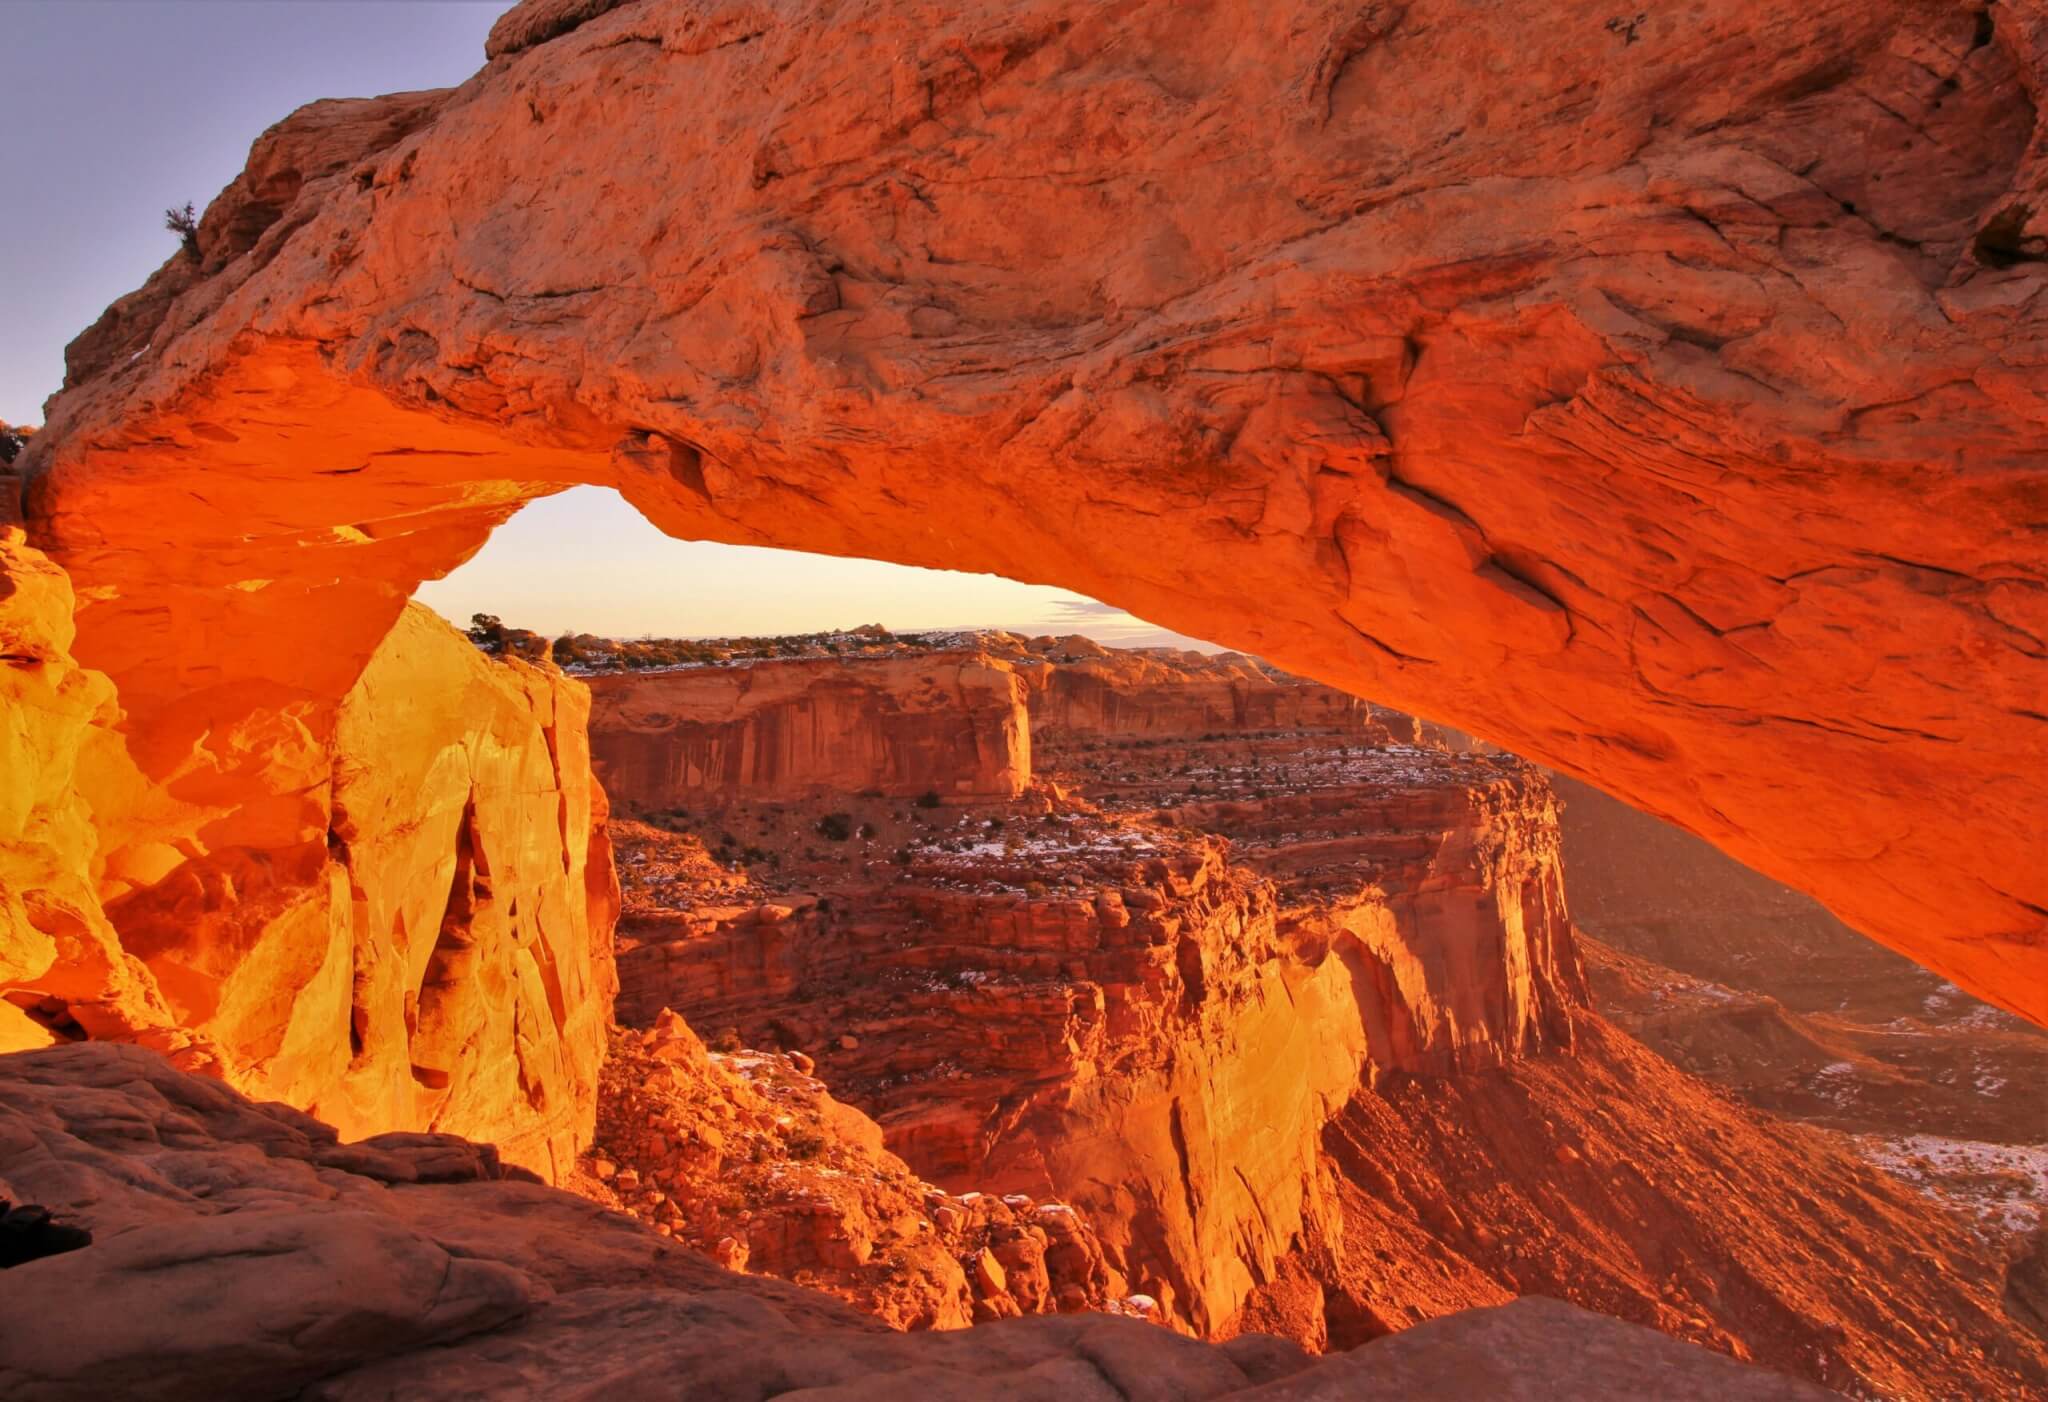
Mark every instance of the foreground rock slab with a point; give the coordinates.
(1660, 397)
(240, 1250)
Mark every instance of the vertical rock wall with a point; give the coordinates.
(63, 972)
(951, 723)
(470, 841)
(423, 940)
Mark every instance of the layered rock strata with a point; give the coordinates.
(415, 1266)
(1079, 687)
(951, 724)
(1660, 397)
(1098, 992)
(1113, 1013)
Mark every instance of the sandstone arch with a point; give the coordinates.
(1665, 400)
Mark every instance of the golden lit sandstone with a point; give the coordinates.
(429, 947)
(469, 838)
(950, 723)
(62, 968)
(1663, 398)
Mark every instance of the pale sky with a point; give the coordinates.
(112, 111)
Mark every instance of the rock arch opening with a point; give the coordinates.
(1660, 399)
(1564, 472)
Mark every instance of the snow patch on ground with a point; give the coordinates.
(2003, 1187)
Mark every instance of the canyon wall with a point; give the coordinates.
(1079, 687)
(949, 723)
(472, 842)
(1660, 397)
(63, 972)
(424, 944)
(1125, 1018)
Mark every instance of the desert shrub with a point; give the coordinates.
(804, 1143)
(727, 1041)
(836, 827)
(185, 224)
(928, 799)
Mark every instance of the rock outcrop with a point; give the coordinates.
(1660, 396)
(746, 1156)
(63, 971)
(471, 841)
(422, 942)
(1100, 993)
(951, 724)
(1111, 1013)
(415, 1266)
(1079, 687)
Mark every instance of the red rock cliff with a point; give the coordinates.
(948, 723)
(1117, 1016)
(1079, 687)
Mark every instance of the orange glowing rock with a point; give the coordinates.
(1662, 400)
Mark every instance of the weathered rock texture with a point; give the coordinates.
(1115, 1015)
(1111, 1006)
(746, 1157)
(1660, 396)
(950, 723)
(1079, 687)
(471, 841)
(63, 971)
(422, 942)
(241, 1251)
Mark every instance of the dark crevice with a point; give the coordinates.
(2003, 241)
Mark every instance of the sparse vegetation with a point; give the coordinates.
(185, 224)
(12, 441)
(490, 634)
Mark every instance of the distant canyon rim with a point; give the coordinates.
(1663, 399)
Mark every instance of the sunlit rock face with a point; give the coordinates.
(951, 724)
(1128, 1016)
(426, 946)
(1079, 687)
(63, 972)
(1663, 399)
(470, 839)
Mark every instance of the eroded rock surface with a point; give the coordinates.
(745, 1156)
(422, 941)
(1099, 992)
(1660, 396)
(952, 724)
(241, 1250)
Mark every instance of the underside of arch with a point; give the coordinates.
(1666, 404)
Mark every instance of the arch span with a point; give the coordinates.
(1664, 401)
